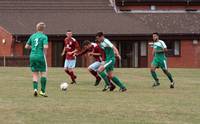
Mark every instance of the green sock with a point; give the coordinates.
(43, 83)
(118, 82)
(35, 85)
(105, 78)
(154, 75)
(170, 76)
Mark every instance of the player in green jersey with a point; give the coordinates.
(38, 43)
(110, 52)
(159, 60)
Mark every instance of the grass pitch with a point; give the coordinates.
(86, 104)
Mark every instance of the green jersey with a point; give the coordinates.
(159, 59)
(159, 45)
(37, 42)
(107, 46)
(37, 57)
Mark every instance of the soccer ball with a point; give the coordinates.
(63, 86)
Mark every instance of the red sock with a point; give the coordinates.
(111, 84)
(67, 72)
(94, 73)
(73, 76)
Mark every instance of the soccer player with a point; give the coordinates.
(110, 52)
(71, 47)
(159, 60)
(38, 43)
(94, 50)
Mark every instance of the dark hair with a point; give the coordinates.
(99, 34)
(156, 33)
(69, 30)
(86, 42)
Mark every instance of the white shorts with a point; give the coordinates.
(70, 63)
(94, 66)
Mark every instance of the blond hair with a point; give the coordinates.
(40, 26)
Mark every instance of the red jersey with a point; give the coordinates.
(95, 48)
(70, 45)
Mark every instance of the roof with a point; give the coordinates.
(89, 17)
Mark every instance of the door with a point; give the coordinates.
(143, 54)
(57, 59)
(129, 54)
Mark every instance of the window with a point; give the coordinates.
(176, 48)
(173, 48)
(157, 2)
(143, 48)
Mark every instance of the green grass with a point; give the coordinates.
(87, 104)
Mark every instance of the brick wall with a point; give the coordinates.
(5, 48)
(19, 49)
(189, 58)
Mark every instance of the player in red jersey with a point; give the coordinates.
(71, 47)
(94, 50)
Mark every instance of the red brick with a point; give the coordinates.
(5, 49)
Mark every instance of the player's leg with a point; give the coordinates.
(93, 70)
(66, 67)
(35, 83)
(109, 68)
(42, 67)
(107, 80)
(35, 74)
(103, 75)
(72, 75)
(43, 81)
(167, 73)
(112, 86)
(154, 65)
(71, 66)
(116, 80)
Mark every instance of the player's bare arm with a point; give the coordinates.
(45, 49)
(94, 54)
(63, 52)
(70, 53)
(116, 52)
(27, 46)
(82, 52)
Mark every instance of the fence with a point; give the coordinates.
(13, 61)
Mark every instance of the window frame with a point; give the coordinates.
(173, 48)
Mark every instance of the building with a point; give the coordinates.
(127, 23)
